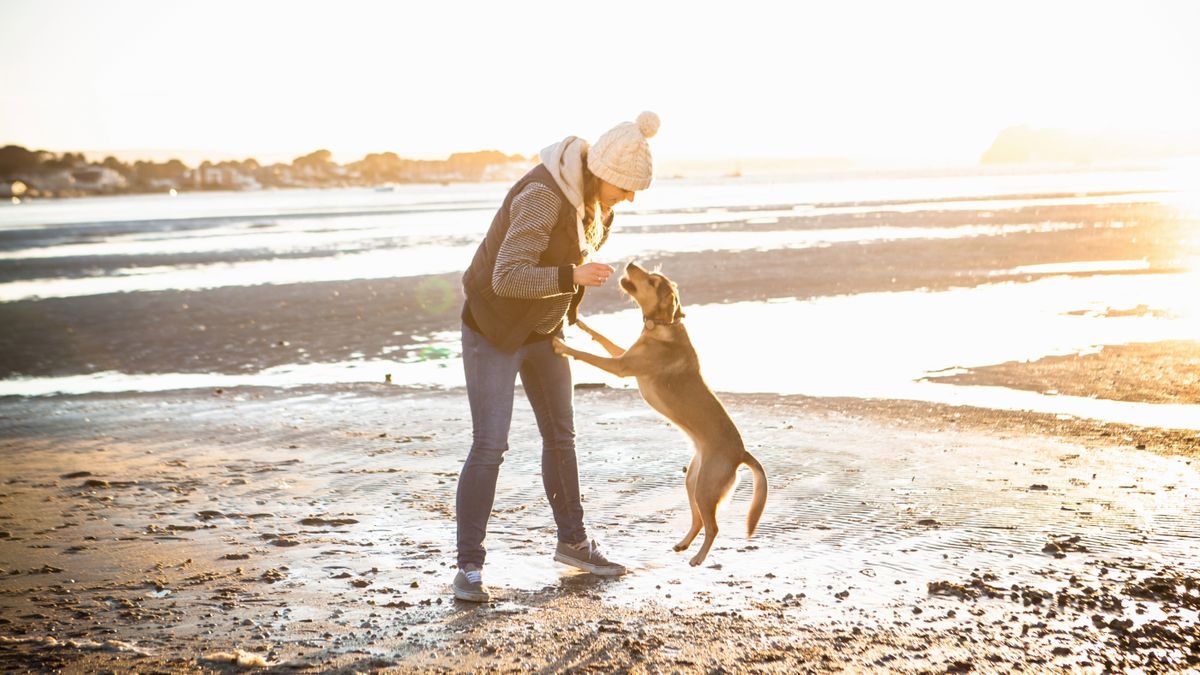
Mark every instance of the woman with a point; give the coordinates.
(527, 277)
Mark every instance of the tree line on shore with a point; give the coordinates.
(40, 173)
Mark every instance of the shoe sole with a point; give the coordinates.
(471, 596)
(588, 567)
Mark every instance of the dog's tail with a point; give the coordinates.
(759, 501)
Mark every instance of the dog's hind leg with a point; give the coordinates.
(693, 474)
(711, 486)
(708, 516)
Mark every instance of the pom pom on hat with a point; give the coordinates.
(622, 155)
(648, 123)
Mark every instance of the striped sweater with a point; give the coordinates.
(532, 216)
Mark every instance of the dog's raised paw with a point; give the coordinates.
(559, 346)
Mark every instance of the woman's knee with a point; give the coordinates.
(486, 455)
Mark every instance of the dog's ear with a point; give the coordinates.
(675, 300)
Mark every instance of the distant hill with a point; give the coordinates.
(1023, 144)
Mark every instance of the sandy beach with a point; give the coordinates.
(310, 527)
(313, 530)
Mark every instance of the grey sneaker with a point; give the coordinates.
(468, 584)
(587, 557)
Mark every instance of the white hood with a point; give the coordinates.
(565, 160)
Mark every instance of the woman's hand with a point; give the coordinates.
(592, 274)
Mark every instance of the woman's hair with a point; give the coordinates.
(593, 225)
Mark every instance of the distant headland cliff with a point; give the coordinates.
(1027, 145)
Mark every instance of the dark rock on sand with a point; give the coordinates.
(1060, 545)
(329, 522)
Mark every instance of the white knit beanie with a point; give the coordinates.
(622, 155)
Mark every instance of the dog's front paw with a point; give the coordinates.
(695, 561)
(560, 347)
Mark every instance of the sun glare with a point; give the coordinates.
(787, 81)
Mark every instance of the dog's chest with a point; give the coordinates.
(650, 394)
(656, 393)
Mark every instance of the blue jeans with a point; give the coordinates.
(491, 385)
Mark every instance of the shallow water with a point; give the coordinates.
(829, 346)
(420, 259)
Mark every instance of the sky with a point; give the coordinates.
(887, 82)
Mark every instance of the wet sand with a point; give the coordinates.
(312, 528)
(1160, 372)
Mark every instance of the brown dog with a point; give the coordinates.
(668, 376)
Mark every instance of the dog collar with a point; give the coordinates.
(651, 323)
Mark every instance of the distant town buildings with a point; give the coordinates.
(37, 173)
(97, 179)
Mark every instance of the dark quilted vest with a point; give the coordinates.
(507, 322)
